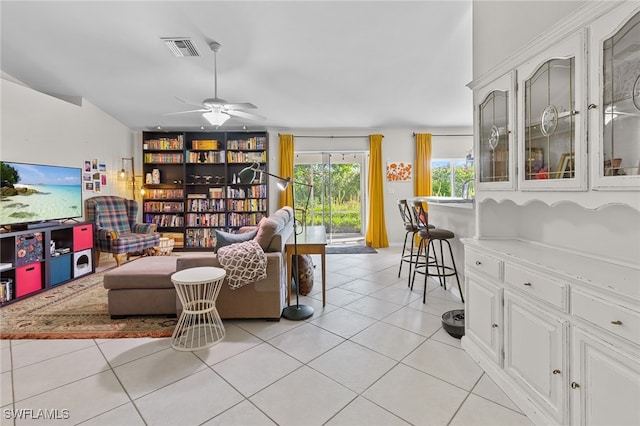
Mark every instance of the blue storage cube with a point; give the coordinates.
(60, 269)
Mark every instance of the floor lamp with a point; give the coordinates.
(295, 312)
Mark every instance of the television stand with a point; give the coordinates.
(36, 260)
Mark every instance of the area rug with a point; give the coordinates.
(350, 249)
(76, 310)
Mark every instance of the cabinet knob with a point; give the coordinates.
(494, 325)
(478, 262)
(592, 106)
(527, 284)
(556, 371)
(616, 322)
(574, 385)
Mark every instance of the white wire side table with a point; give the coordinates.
(199, 325)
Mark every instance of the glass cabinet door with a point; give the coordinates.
(553, 142)
(494, 144)
(618, 135)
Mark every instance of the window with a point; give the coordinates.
(448, 176)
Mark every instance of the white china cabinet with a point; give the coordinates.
(552, 131)
(552, 276)
(615, 102)
(494, 144)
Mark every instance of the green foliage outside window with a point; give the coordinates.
(442, 172)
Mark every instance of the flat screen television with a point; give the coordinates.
(37, 193)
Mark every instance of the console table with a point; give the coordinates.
(312, 240)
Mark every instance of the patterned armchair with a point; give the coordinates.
(115, 228)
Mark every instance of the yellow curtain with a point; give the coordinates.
(285, 169)
(376, 228)
(422, 178)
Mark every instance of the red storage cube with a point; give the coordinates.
(28, 279)
(82, 237)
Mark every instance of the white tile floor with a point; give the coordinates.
(375, 355)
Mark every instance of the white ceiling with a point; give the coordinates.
(304, 64)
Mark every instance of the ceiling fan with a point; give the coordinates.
(215, 110)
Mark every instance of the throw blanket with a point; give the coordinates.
(244, 262)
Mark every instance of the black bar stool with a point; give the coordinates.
(411, 226)
(428, 237)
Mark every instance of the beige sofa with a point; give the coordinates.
(144, 287)
(265, 298)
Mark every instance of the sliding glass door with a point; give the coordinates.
(338, 197)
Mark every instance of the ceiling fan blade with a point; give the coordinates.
(234, 106)
(243, 114)
(186, 112)
(188, 103)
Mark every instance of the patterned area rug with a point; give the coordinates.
(76, 310)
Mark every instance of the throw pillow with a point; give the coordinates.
(226, 238)
(267, 228)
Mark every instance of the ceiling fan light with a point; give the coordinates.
(216, 118)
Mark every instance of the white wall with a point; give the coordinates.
(38, 128)
(501, 28)
(397, 146)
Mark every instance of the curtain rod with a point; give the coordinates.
(414, 133)
(328, 137)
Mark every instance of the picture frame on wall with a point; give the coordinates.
(399, 171)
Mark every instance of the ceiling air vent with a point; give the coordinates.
(181, 46)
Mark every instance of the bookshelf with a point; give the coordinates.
(192, 186)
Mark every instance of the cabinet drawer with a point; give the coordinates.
(485, 264)
(537, 285)
(82, 237)
(612, 317)
(28, 279)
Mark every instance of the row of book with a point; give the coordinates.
(244, 219)
(205, 144)
(206, 219)
(163, 158)
(257, 142)
(205, 157)
(164, 194)
(165, 143)
(246, 157)
(205, 205)
(247, 205)
(258, 191)
(163, 206)
(165, 220)
(204, 237)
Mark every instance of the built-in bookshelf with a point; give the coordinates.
(192, 185)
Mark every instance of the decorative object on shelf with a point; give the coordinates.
(295, 312)
(566, 166)
(155, 176)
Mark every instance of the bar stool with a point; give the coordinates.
(411, 227)
(428, 237)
